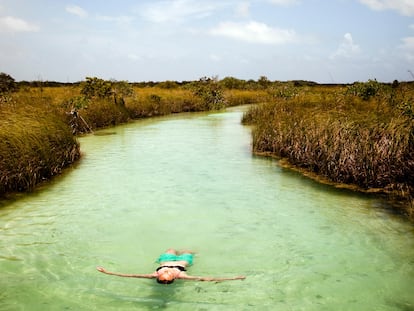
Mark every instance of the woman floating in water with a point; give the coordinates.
(172, 266)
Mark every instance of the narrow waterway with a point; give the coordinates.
(190, 181)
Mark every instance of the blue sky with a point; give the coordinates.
(325, 41)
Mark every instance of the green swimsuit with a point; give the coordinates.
(173, 257)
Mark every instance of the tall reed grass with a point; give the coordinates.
(156, 101)
(361, 134)
(346, 139)
(235, 97)
(146, 102)
(35, 144)
(38, 123)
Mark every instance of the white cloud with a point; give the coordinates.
(176, 10)
(404, 7)
(76, 10)
(408, 48)
(14, 24)
(254, 32)
(347, 48)
(284, 2)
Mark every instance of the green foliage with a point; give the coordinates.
(95, 87)
(122, 89)
(7, 83)
(211, 93)
(231, 83)
(102, 89)
(365, 90)
(76, 102)
(264, 82)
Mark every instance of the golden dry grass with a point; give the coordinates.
(332, 131)
(36, 132)
(35, 144)
(368, 143)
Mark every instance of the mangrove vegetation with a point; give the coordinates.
(40, 120)
(360, 135)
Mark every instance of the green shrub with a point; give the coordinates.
(7, 83)
(211, 93)
(365, 90)
(95, 87)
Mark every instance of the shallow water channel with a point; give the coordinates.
(190, 181)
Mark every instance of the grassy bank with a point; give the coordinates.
(123, 102)
(35, 144)
(361, 135)
(40, 120)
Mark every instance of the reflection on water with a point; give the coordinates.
(190, 181)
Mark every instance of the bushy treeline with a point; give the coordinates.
(361, 134)
(99, 103)
(227, 83)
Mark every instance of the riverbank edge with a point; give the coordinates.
(19, 178)
(34, 147)
(403, 209)
(120, 114)
(400, 206)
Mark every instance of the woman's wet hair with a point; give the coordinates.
(165, 281)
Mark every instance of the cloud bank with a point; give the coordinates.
(14, 24)
(254, 32)
(176, 10)
(76, 10)
(404, 7)
(347, 48)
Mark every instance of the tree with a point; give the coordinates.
(211, 92)
(7, 83)
(233, 83)
(263, 82)
(95, 87)
(365, 90)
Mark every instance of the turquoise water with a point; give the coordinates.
(190, 181)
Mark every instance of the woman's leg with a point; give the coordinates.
(171, 251)
(186, 251)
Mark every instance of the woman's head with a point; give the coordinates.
(165, 276)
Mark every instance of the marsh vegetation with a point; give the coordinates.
(40, 120)
(360, 134)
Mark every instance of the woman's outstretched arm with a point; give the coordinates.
(213, 279)
(145, 276)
